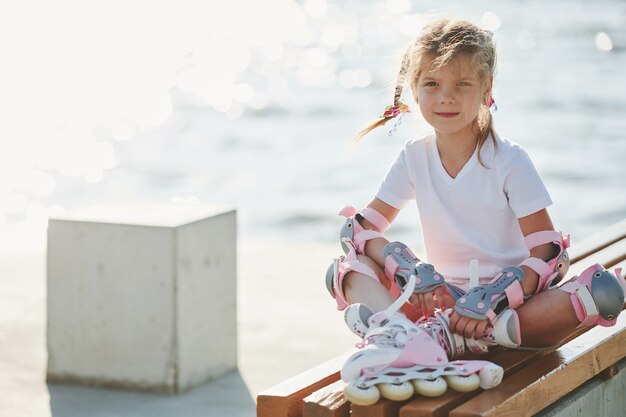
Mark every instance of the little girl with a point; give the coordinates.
(479, 197)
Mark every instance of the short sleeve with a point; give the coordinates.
(523, 186)
(397, 189)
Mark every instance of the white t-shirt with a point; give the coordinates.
(472, 216)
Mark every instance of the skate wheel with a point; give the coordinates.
(361, 395)
(396, 392)
(490, 376)
(463, 383)
(430, 387)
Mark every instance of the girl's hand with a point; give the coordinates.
(465, 326)
(427, 302)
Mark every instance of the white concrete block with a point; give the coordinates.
(142, 296)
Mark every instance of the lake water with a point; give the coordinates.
(254, 106)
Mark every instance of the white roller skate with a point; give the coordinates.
(398, 358)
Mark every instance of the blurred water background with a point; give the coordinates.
(253, 103)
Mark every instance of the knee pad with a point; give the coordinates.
(554, 270)
(338, 270)
(355, 233)
(597, 295)
(401, 263)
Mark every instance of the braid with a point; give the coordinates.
(398, 106)
(404, 69)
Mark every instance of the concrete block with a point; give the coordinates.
(142, 296)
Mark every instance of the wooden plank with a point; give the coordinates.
(610, 372)
(383, 408)
(285, 399)
(535, 387)
(327, 402)
(622, 265)
(598, 241)
(435, 407)
(606, 257)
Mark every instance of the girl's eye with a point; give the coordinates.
(465, 84)
(430, 84)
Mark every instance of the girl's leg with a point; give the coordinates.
(359, 288)
(376, 295)
(546, 318)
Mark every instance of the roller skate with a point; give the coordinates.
(398, 358)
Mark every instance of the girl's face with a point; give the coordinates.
(450, 97)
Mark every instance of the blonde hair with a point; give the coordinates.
(440, 42)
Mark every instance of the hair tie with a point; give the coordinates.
(491, 105)
(392, 112)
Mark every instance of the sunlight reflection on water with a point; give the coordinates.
(189, 101)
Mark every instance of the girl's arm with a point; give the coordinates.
(536, 222)
(374, 248)
(383, 208)
(532, 223)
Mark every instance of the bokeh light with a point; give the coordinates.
(603, 41)
(491, 21)
(95, 98)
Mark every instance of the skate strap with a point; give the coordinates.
(343, 265)
(547, 236)
(550, 272)
(597, 296)
(377, 220)
(582, 302)
(404, 297)
(486, 301)
(362, 237)
(373, 216)
(355, 232)
(399, 302)
(537, 265)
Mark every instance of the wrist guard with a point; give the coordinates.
(487, 301)
(401, 263)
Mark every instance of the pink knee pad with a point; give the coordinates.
(338, 270)
(597, 295)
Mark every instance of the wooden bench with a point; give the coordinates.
(533, 381)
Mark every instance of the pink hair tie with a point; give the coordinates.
(492, 105)
(392, 112)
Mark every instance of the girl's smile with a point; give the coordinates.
(440, 114)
